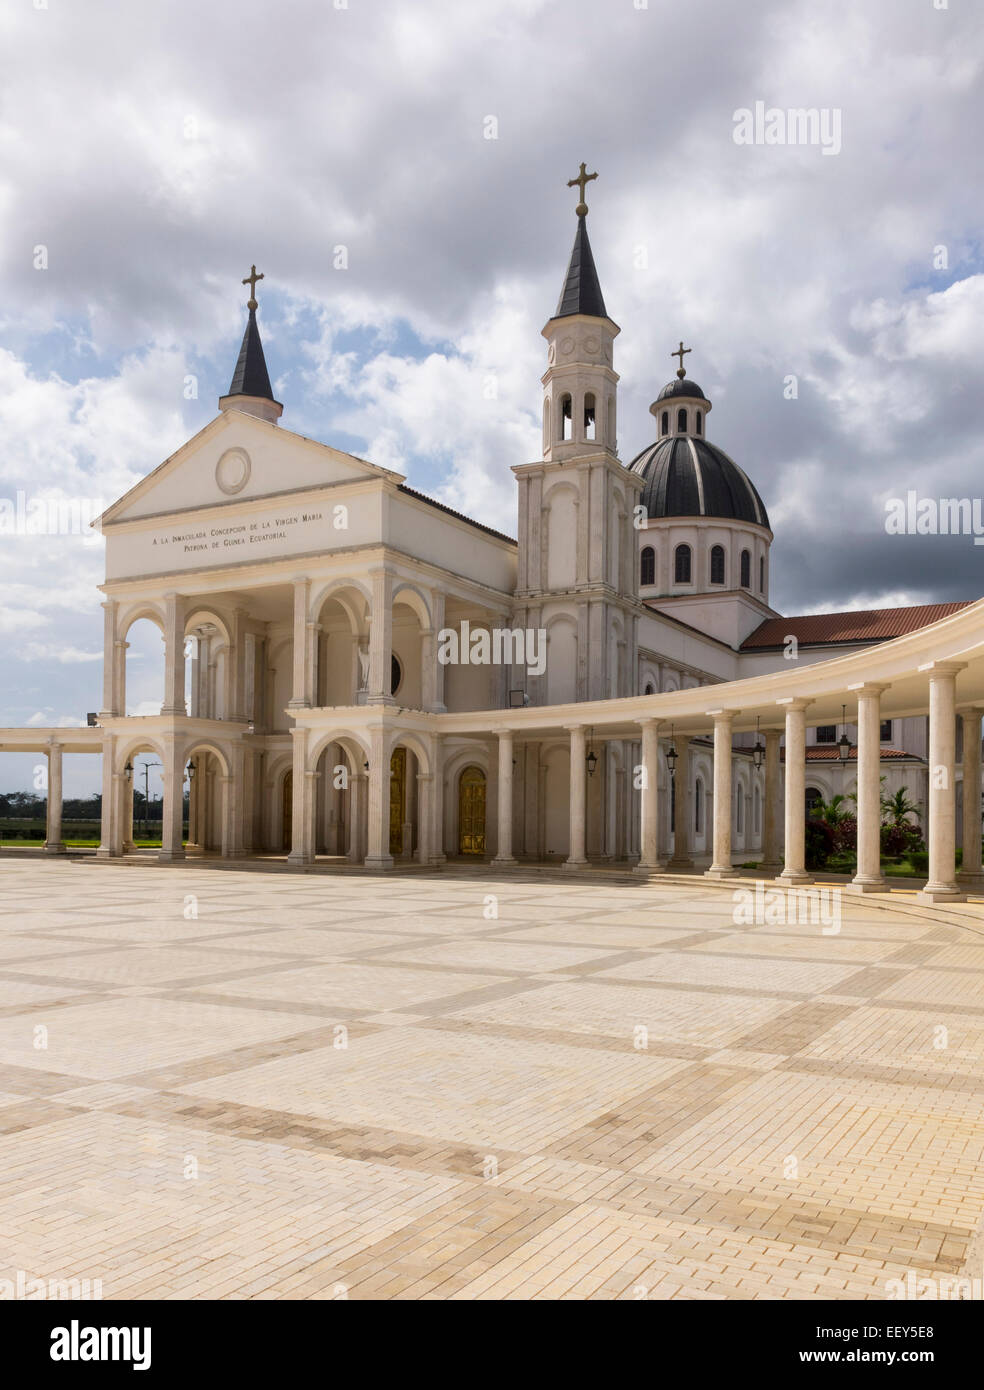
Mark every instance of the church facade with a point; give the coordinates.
(357, 673)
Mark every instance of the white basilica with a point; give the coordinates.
(670, 719)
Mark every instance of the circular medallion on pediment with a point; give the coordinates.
(232, 471)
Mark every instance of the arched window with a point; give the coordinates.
(664, 423)
(761, 574)
(566, 418)
(589, 416)
(681, 564)
(647, 566)
(698, 806)
(650, 689)
(697, 422)
(746, 570)
(717, 564)
(813, 798)
(682, 420)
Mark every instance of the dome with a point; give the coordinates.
(683, 386)
(687, 476)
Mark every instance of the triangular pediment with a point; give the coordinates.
(238, 458)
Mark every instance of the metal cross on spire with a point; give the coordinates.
(681, 352)
(251, 280)
(582, 179)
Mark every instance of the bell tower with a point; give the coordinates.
(579, 383)
(576, 572)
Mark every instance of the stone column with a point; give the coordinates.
(970, 875)
(869, 877)
(437, 620)
(577, 858)
(108, 846)
(771, 861)
(300, 697)
(380, 648)
(378, 857)
(794, 871)
(721, 865)
(683, 820)
(356, 801)
(504, 854)
(942, 884)
(173, 807)
(53, 838)
(302, 803)
(174, 657)
(649, 860)
(233, 804)
(425, 817)
(438, 855)
(110, 668)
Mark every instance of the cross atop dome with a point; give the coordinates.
(681, 352)
(580, 182)
(251, 280)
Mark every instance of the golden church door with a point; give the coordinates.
(398, 798)
(288, 808)
(471, 811)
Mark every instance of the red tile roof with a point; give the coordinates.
(866, 625)
(829, 753)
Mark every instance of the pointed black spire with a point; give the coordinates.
(251, 377)
(582, 292)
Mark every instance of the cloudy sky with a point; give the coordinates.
(152, 151)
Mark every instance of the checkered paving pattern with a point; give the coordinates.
(243, 1084)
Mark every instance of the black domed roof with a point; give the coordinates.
(683, 386)
(686, 476)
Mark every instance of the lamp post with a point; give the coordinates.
(844, 743)
(671, 755)
(758, 752)
(592, 758)
(146, 773)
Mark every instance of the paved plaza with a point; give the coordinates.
(244, 1084)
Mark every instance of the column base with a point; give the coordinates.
(56, 847)
(378, 864)
(175, 711)
(104, 853)
(649, 870)
(770, 868)
(574, 865)
(300, 856)
(794, 879)
(504, 862)
(721, 871)
(170, 856)
(940, 893)
(867, 885)
(970, 878)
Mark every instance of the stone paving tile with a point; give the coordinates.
(362, 1087)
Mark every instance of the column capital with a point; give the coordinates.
(795, 702)
(721, 715)
(649, 723)
(942, 668)
(869, 688)
(971, 711)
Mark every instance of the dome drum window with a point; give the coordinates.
(647, 566)
(682, 557)
(717, 564)
(746, 569)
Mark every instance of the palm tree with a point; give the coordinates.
(897, 809)
(830, 811)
